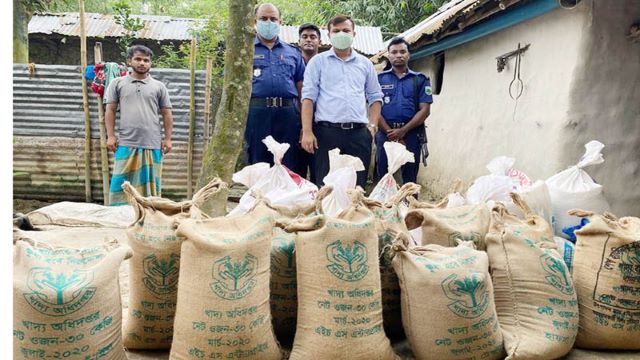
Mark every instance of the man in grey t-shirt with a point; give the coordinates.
(139, 146)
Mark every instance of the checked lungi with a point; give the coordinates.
(141, 167)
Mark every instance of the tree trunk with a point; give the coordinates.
(231, 117)
(21, 17)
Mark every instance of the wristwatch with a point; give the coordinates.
(372, 126)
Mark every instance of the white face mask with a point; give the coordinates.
(341, 40)
(267, 29)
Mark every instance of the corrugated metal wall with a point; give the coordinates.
(48, 129)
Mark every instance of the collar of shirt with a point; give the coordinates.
(258, 42)
(332, 52)
(390, 71)
(145, 80)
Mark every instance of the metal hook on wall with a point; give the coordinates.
(517, 81)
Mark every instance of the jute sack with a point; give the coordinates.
(389, 221)
(283, 285)
(535, 298)
(153, 270)
(339, 300)
(448, 310)
(66, 301)
(445, 226)
(416, 234)
(223, 293)
(607, 278)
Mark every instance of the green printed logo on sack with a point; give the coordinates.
(284, 257)
(234, 280)
(557, 273)
(348, 263)
(472, 236)
(470, 294)
(71, 291)
(161, 274)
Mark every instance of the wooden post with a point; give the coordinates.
(85, 105)
(207, 101)
(104, 155)
(192, 119)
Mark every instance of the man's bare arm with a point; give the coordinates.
(308, 140)
(167, 118)
(110, 124)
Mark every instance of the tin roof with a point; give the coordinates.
(368, 40)
(451, 18)
(101, 25)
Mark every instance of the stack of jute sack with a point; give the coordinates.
(334, 275)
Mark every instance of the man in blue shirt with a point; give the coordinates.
(406, 105)
(340, 82)
(274, 109)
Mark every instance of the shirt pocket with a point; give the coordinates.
(288, 67)
(388, 95)
(259, 70)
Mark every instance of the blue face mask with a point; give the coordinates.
(267, 29)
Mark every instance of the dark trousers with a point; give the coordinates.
(354, 142)
(307, 165)
(283, 123)
(409, 170)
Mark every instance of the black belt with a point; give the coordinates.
(272, 102)
(343, 126)
(397, 125)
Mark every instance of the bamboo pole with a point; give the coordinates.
(192, 119)
(207, 101)
(85, 105)
(104, 155)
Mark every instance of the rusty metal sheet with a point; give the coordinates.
(50, 103)
(52, 168)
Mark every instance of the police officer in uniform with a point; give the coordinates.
(274, 109)
(405, 106)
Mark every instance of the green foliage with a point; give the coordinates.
(390, 16)
(131, 26)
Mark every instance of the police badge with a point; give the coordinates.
(257, 72)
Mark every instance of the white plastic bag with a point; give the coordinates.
(497, 185)
(278, 184)
(503, 180)
(397, 156)
(342, 177)
(573, 188)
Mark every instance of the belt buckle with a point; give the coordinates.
(274, 102)
(348, 126)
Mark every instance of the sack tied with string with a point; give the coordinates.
(223, 294)
(448, 309)
(534, 293)
(390, 221)
(155, 265)
(339, 299)
(66, 301)
(607, 278)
